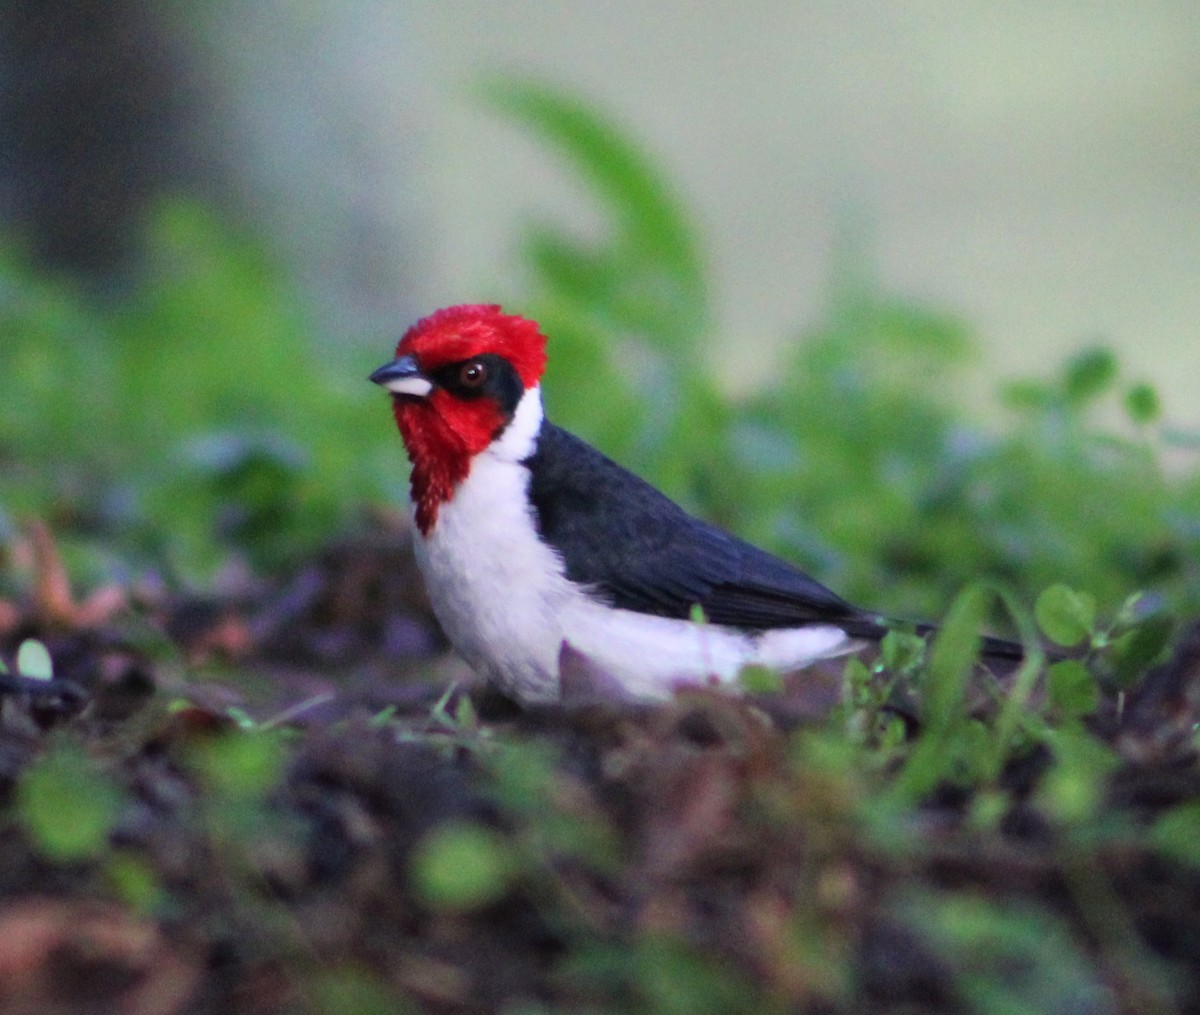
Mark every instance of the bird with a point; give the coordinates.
(538, 551)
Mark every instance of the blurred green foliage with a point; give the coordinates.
(194, 417)
(858, 460)
(461, 866)
(67, 804)
(202, 414)
(1008, 959)
(627, 312)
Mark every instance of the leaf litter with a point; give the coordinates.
(298, 800)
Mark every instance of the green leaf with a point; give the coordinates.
(677, 978)
(857, 697)
(901, 650)
(68, 807)
(347, 990)
(242, 765)
(525, 774)
(1089, 374)
(1065, 616)
(760, 680)
(648, 277)
(955, 651)
(465, 716)
(1073, 789)
(1073, 690)
(1136, 651)
(1004, 955)
(135, 881)
(856, 673)
(1142, 403)
(461, 866)
(1027, 395)
(33, 660)
(1177, 833)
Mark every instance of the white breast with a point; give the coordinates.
(498, 591)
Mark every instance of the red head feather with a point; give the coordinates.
(472, 329)
(441, 432)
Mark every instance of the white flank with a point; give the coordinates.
(504, 600)
(650, 656)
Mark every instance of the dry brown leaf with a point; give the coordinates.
(10, 616)
(53, 599)
(52, 950)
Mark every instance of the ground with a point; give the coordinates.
(291, 797)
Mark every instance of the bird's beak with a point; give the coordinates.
(403, 377)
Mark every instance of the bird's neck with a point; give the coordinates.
(441, 458)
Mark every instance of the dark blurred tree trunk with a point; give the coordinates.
(293, 120)
(92, 114)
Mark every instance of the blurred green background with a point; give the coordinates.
(907, 295)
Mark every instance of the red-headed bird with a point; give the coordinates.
(534, 545)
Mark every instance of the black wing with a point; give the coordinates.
(640, 551)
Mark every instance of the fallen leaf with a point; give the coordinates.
(52, 950)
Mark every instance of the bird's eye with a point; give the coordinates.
(473, 374)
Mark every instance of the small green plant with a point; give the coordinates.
(1006, 958)
(1118, 652)
(1177, 833)
(462, 866)
(67, 804)
(241, 767)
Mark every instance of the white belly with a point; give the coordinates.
(497, 589)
